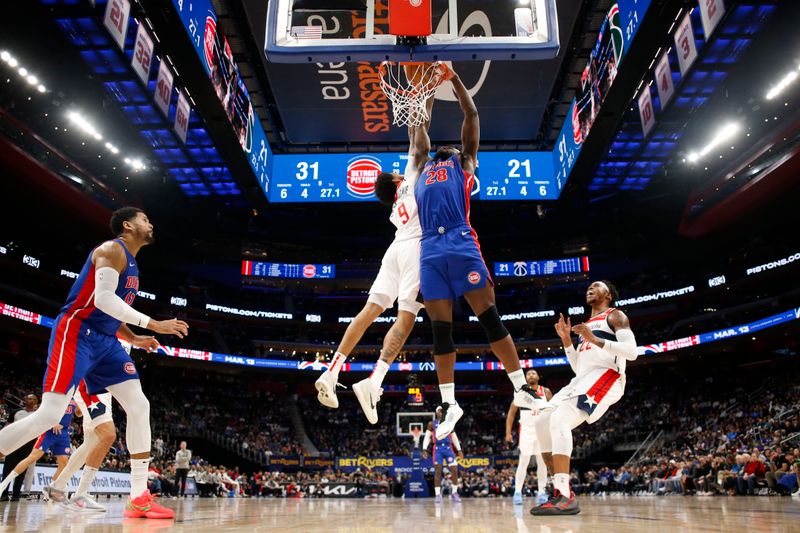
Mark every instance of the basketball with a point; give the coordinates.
(419, 73)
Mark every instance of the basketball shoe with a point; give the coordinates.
(144, 506)
(452, 414)
(52, 494)
(558, 505)
(527, 397)
(455, 497)
(368, 396)
(542, 498)
(517, 498)
(83, 504)
(326, 390)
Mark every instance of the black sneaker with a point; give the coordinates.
(558, 505)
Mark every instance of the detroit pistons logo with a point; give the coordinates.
(474, 277)
(208, 40)
(362, 172)
(130, 368)
(309, 271)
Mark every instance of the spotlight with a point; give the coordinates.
(32, 80)
(12, 62)
(41, 88)
(5, 56)
(23, 71)
(781, 85)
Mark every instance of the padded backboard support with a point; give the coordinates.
(462, 30)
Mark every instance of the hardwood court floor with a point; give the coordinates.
(671, 514)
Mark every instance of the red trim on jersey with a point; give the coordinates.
(602, 315)
(467, 189)
(39, 442)
(61, 367)
(603, 385)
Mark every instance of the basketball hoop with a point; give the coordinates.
(408, 85)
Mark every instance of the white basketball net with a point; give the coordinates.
(409, 98)
(416, 433)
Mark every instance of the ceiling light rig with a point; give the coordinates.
(86, 126)
(723, 134)
(12, 62)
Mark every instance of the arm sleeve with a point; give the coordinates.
(106, 300)
(427, 440)
(624, 346)
(572, 357)
(456, 443)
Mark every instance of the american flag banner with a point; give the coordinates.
(307, 32)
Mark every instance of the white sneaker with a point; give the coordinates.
(83, 504)
(52, 494)
(326, 387)
(368, 396)
(526, 397)
(452, 415)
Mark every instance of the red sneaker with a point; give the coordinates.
(144, 506)
(559, 504)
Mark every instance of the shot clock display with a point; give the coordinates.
(416, 396)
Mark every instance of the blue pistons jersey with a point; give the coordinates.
(80, 301)
(451, 263)
(83, 341)
(443, 448)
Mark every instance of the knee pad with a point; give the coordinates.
(442, 337)
(492, 325)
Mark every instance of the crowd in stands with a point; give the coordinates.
(724, 432)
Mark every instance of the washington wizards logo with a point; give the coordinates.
(587, 403)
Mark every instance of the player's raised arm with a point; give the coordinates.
(470, 128)
(563, 329)
(421, 156)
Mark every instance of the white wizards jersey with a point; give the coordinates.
(590, 356)
(404, 210)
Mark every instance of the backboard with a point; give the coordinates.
(313, 31)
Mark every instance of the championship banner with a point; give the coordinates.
(142, 54)
(105, 482)
(284, 462)
(663, 75)
(116, 20)
(685, 45)
(182, 116)
(163, 94)
(711, 12)
(646, 114)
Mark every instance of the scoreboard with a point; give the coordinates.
(416, 396)
(547, 267)
(351, 177)
(517, 176)
(288, 270)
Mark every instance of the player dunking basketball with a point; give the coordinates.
(443, 455)
(451, 260)
(606, 345)
(83, 344)
(398, 279)
(528, 444)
